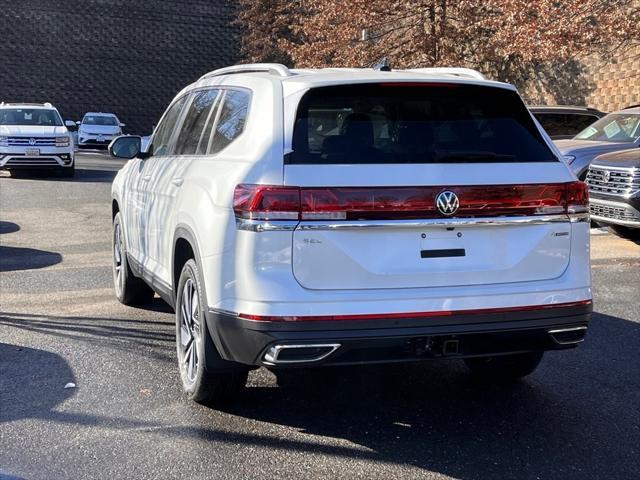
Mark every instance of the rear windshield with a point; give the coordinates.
(414, 123)
(30, 116)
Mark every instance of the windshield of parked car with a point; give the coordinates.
(415, 123)
(30, 116)
(100, 120)
(615, 127)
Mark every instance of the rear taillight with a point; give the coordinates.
(577, 199)
(266, 202)
(272, 202)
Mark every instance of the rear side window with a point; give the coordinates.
(197, 116)
(231, 120)
(164, 132)
(415, 123)
(564, 123)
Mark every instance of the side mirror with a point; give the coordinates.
(78, 122)
(70, 123)
(122, 125)
(126, 146)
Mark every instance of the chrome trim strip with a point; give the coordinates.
(265, 225)
(610, 167)
(444, 222)
(609, 203)
(615, 221)
(271, 357)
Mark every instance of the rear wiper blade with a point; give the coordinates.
(471, 155)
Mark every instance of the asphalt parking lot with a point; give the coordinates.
(577, 416)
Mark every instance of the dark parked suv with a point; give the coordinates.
(562, 122)
(614, 190)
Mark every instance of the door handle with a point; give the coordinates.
(146, 178)
(177, 181)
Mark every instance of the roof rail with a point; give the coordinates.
(27, 104)
(273, 68)
(458, 72)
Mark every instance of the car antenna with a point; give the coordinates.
(382, 65)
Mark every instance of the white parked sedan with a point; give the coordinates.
(97, 129)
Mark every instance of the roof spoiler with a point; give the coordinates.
(457, 72)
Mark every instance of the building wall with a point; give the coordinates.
(607, 84)
(616, 81)
(129, 57)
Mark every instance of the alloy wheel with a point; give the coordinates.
(189, 331)
(118, 256)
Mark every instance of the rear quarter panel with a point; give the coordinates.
(205, 202)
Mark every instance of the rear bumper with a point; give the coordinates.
(396, 339)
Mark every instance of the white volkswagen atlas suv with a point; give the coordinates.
(33, 136)
(299, 218)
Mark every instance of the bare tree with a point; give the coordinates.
(503, 38)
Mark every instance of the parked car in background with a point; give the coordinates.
(298, 218)
(33, 136)
(97, 129)
(614, 189)
(613, 132)
(565, 121)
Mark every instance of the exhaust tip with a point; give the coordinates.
(568, 336)
(280, 354)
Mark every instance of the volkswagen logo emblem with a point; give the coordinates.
(32, 141)
(447, 203)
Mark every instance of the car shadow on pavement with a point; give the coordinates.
(32, 382)
(8, 227)
(19, 258)
(577, 416)
(82, 175)
(151, 338)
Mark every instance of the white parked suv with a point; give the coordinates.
(97, 129)
(33, 136)
(348, 216)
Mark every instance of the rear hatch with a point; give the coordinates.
(407, 185)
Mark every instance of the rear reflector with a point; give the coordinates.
(270, 202)
(391, 316)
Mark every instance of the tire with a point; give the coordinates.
(130, 290)
(68, 172)
(504, 368)
(626, 232)
(206, 378)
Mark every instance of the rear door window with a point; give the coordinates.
(196, 119)
(414, 123)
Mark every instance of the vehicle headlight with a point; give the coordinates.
(569, 158)
(4, 141)
(62, 141)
